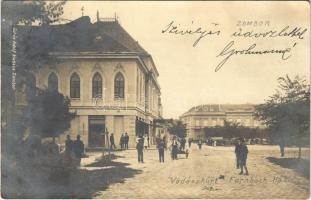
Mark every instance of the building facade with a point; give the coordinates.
(199, 117)
(110, 79)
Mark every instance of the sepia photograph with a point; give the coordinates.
(155, 99)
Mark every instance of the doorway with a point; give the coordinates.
(96, 130)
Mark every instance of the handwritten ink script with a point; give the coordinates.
(229, 51)
(172, 28)
(232, 49)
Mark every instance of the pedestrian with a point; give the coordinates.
(140, 150)
(68, 145)
(148, 141)
(243, 157)
(182, 144)
(126, 141)
(174, 148)
(165, 142)
(158, 139)
(161, 147)
(189, 142)
(112, 144)
(200, 144)
(78, 148)
(145, 142)
(69, 153)
(122, 141)
(237, 153)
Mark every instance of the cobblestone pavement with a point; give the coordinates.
(209, 173)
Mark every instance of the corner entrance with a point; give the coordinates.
(96, 130)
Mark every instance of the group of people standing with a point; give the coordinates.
(124, 141)
(74, 147)
(176, 145)
(143, 143)
(241, 152)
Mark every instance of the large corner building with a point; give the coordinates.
(110, 79)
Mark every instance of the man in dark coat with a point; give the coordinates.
(78, 148)
(165, 142)
(69, 151)
(126, 141)
(68, 145)
(189, 142)
(161, 147)
(237, 153)
(140, 150)
(112, 144)
(182, 143)
(174, 148)
(122, 141)
(243, 157)
(200, 144)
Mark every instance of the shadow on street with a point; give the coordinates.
(301, 166)
(83, 183)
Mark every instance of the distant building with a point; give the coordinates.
(111, 80)
(199, 117)
(163, 126)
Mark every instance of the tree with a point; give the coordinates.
(32, 51)
(286, 112)
(49, 114)
(233, 130)
(178, 129)
(20, 13)
(27, 12)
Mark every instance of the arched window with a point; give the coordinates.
(119, 86)
(97, 85)
(53, 82)
(74, 86)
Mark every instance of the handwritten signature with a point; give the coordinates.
(228, 52)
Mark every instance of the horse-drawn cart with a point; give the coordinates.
(186, 152)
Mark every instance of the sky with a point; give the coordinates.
(187, 74)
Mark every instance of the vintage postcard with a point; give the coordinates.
(155, 100)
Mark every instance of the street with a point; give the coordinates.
(209, 173)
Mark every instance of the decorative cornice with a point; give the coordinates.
(96, 67)
(119, 67)
(98, 55)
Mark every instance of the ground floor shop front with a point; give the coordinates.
(95, 130)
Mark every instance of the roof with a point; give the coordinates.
(81, 35)
(223, 108)
(108, 37)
